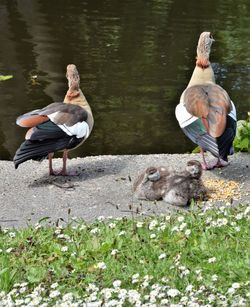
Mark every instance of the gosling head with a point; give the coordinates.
(194, 168)
(153, 173)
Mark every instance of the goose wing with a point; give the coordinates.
(211, 103)
(68, 117)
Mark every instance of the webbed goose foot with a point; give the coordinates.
(218, 163)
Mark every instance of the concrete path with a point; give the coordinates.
(102, 187)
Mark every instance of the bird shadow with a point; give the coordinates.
(235, 171)
(85, 171)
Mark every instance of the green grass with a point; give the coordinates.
(242, 138)
(186, 258)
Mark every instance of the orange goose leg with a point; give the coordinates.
(63, 172)
(204, 163)
(64, 169)
(51, 172)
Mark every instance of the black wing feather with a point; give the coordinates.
(39, 150)
(47, 130)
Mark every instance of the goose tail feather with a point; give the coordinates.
(39, 150)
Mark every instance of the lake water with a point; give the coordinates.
(134, 57)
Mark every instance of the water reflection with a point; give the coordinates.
(134, 57)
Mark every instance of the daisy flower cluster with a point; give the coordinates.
(196, 258)
(146, 294)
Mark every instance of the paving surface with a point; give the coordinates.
(102, 187)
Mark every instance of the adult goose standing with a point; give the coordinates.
(60, 126)
(206, 113)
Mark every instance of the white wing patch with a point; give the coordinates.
(80, 129)
(233, 112)
(182, 115)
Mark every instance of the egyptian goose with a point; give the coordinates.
(186, 185)
(206, 113)
(151, 183)
(60, 126)
(175, 188)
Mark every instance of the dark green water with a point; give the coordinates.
(135, 58)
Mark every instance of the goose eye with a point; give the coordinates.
(210, 36)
